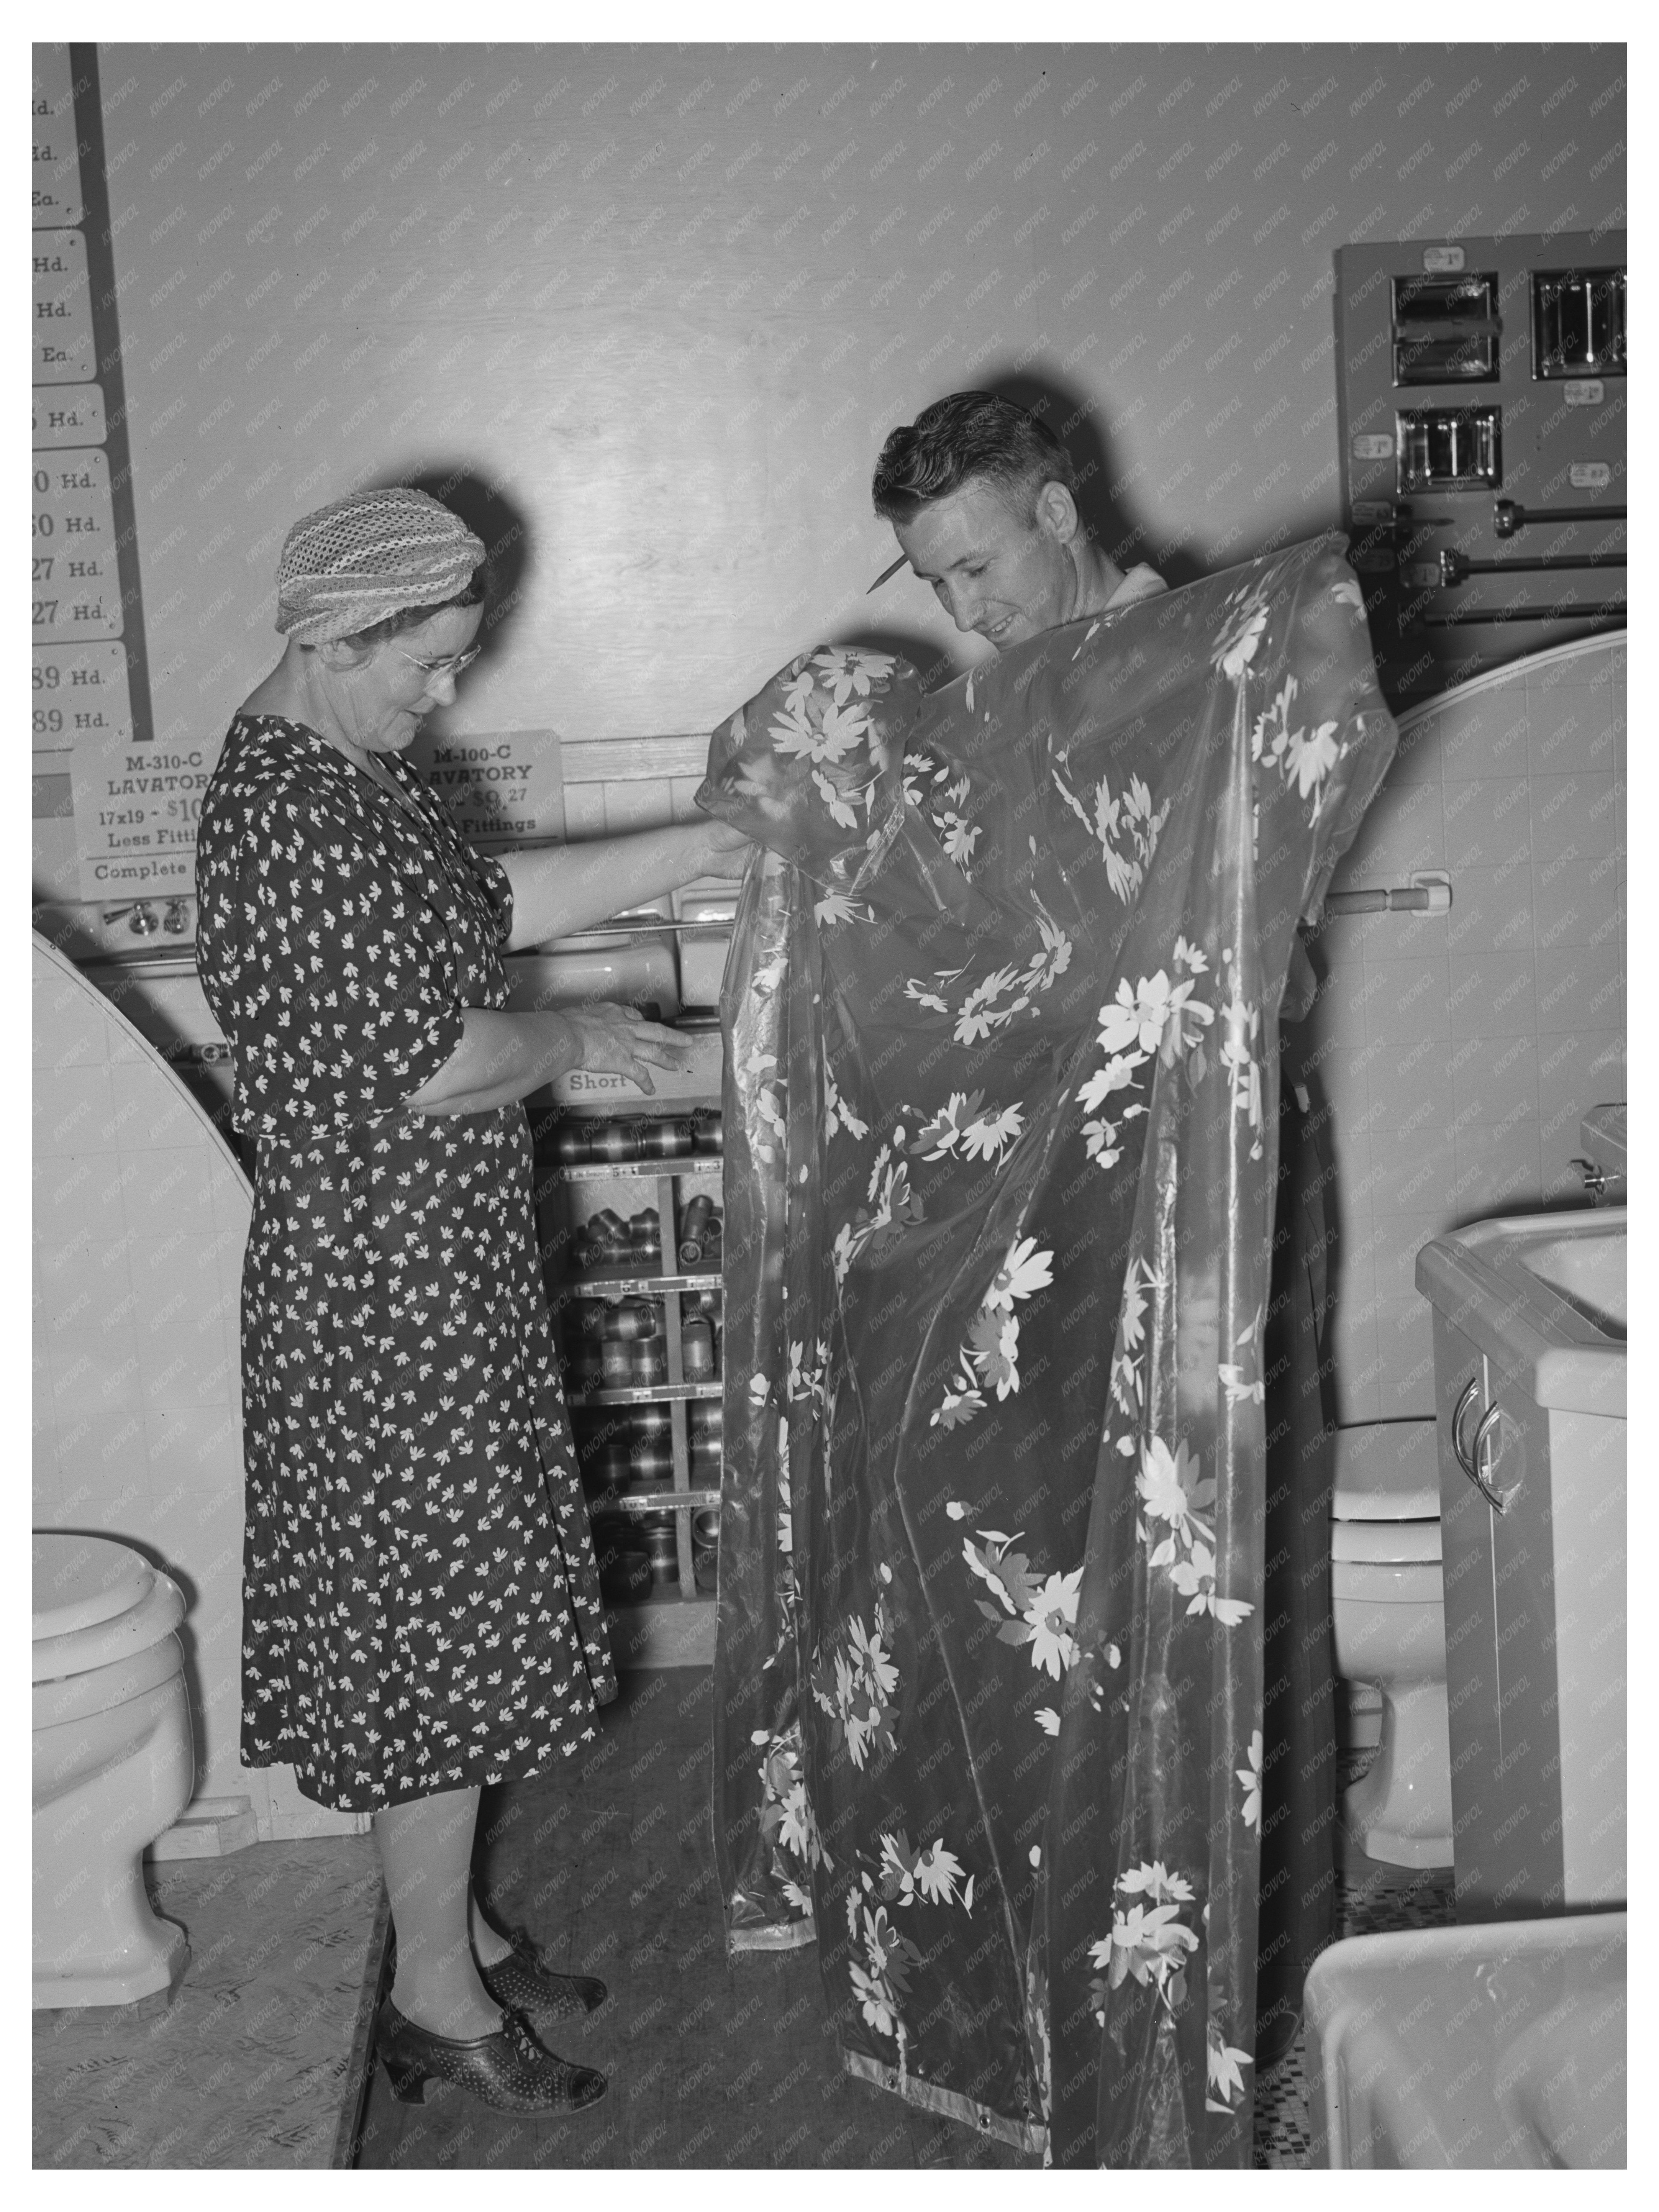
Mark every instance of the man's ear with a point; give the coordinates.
(1057, 513)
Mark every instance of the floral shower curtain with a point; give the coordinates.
(1001, 1117)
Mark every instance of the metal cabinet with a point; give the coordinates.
(1531, 1518)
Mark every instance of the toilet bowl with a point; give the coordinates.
(113, 1765)
(1387, 1611)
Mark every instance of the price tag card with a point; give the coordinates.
(501, 785)
(57, 179)
(136, 805)
(80, 692)
(60, 322)
(69, 415)
(76, 593)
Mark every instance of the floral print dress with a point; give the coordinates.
(1001, 1112)
(421, 1609)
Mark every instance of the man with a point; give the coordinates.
(981, 499)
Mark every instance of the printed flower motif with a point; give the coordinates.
(1154, 1009)
(1024, 1271)
(883, 1977)
(1250, 1776)
(855, 1687)
(836, 906)
(1051, 961)
(851, 670)
(1041, 1613)
(1171, 1491)
(1309, 759)
(906, 1874)
(1147, 1942)
(1052, 1620)
(1347, 593)
(1222, 2063)
(1125, 828)
(958, 838)
(1239, 1388)
(1237, 1055)
(1237, 647)
(991, 1134)
(835, 1108)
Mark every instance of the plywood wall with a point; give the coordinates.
(650, 312)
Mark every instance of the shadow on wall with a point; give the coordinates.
(490, 515)
(1077, 421)
(1080, 424)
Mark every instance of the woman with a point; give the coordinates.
(421, 1606)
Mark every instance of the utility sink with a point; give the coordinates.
(1544, 1297)
(1473, 2048)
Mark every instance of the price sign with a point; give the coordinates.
(136, 807)
(501, 784)
(76, 593)
(57, 165)
(61, 317)
(80, 694)
(69, 415)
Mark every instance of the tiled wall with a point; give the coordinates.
(1460, 1050)
(139, 1218)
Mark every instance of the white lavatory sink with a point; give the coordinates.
(1476, 2048)
(1544, 1297)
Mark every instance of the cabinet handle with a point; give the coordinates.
(1498, 1503)
(1471, 1390)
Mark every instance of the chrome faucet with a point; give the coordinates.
(176, 919)
(143, 922)
(1598, 1181)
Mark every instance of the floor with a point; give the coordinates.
(258, 2062)
(250, 2064)
(713, 2065)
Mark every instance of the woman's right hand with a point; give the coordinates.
(617, 1040)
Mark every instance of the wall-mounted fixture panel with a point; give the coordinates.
(1486, 523)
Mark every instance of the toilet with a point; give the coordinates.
(113, 1765)
(1388, 1611)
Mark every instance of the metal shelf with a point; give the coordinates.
(645, 1171)
(583, 1286)
(628, 1504)
(646, 1393)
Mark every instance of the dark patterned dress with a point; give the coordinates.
(421, 1609)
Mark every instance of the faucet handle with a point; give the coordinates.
(1597, 1179)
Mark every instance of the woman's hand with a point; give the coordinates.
(617, 1040)
(728, 849)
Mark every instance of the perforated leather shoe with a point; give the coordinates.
(527, 1983)
(509, 2070)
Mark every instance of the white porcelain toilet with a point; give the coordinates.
(1388, 1608)
(113, 1765)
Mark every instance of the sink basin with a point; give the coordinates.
(1588, 1271)
(1544, 1295)
(1476, 2048)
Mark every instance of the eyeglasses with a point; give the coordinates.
(451, 664)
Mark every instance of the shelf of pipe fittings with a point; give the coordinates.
(646, 1394)
(631, 1505)
(669, 1166)
(621, 1284)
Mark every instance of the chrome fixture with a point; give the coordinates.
(1598, 1181)
(143, 922)
(176, 919)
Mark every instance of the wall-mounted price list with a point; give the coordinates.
(135, 805)
(76, 591)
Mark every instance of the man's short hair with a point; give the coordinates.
(971, 435)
